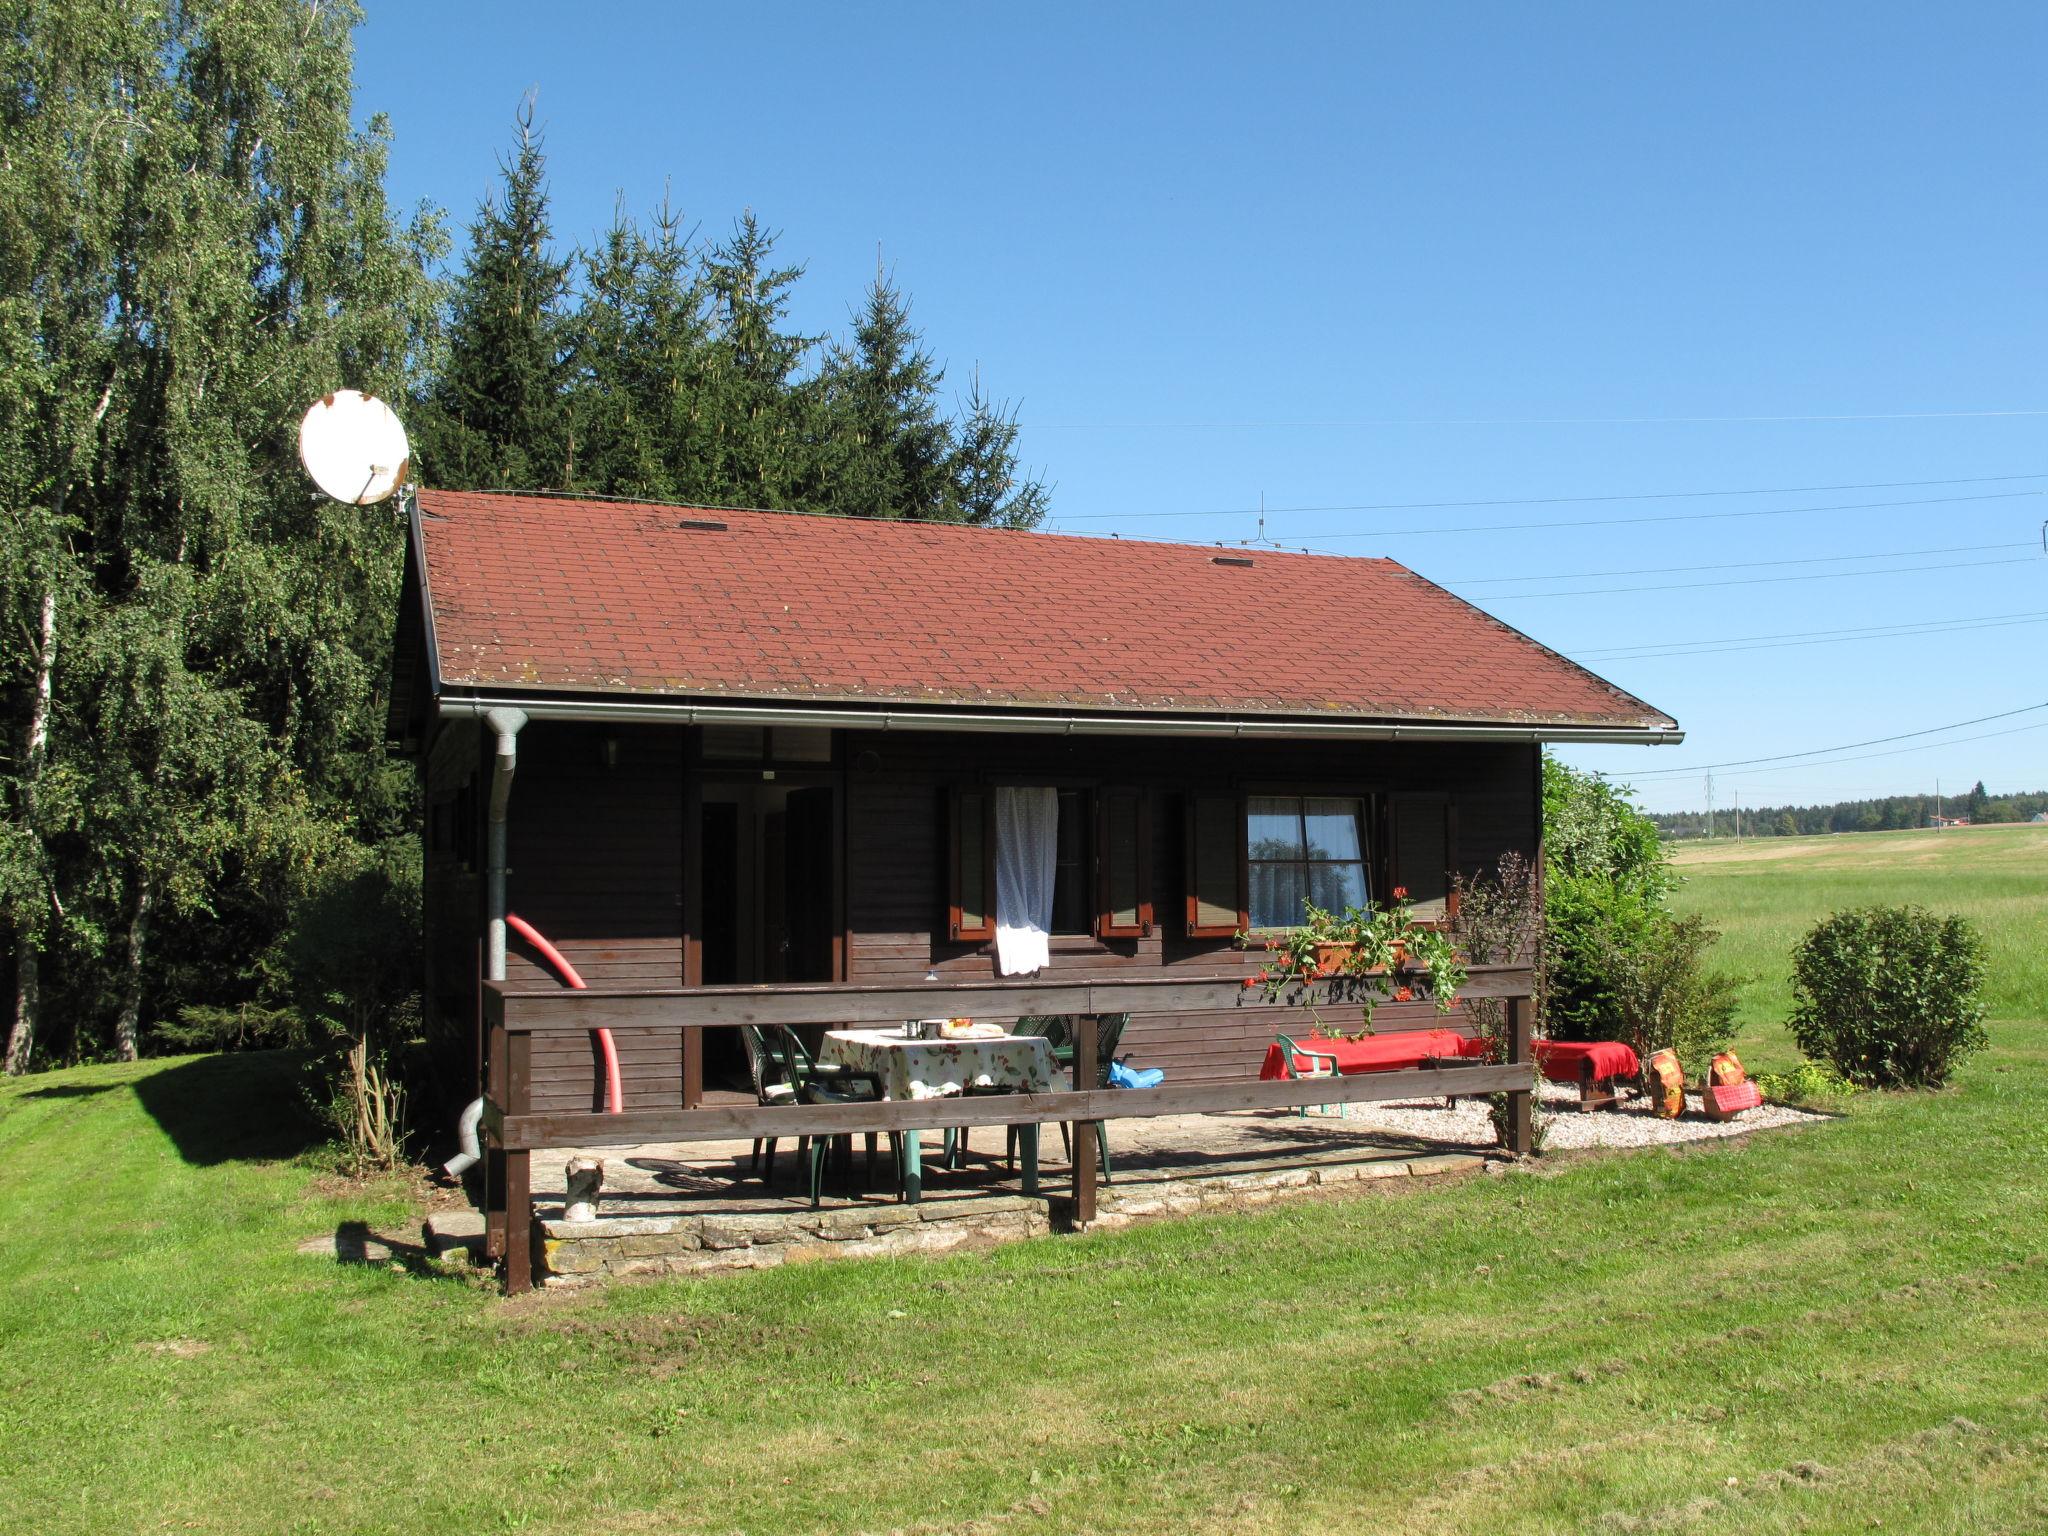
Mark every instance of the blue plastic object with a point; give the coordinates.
(1121, 1076)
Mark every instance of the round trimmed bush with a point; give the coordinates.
(1890, 996)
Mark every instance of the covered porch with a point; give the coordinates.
(682, 1195)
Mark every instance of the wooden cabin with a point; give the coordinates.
(733, 748)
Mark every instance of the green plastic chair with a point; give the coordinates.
(831, 1082)
(773, 1085)
(1288, 1051)
(1109, 1033)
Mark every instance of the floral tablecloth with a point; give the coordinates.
(934, 1069)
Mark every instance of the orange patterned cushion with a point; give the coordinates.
(1667, 1085)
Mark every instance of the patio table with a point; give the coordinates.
(939, 1069)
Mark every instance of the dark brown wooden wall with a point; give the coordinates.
(895, 829)
(597, 861)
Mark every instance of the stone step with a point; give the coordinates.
(446, 1231)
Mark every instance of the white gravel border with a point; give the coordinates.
(1628, 1124)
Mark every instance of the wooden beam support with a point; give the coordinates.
(745, 1122)
(839, 1004)
(518, 1168)
(493, 1132)
(1086, 1036)
(1521, 1047)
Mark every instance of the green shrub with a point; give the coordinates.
(351, 959)
(1662, 993)
(246, 1026)
(1605, 879)
(1810, 1085)
(1890, 996)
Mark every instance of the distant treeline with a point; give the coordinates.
(1893, 813)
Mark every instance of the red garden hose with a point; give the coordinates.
(614, 1096)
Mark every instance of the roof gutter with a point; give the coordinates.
(654, 712)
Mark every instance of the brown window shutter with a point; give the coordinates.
(1123, 868)
(971, 865)
(1215, 866)
(1423, 839)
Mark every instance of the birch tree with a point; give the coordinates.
(194, 244)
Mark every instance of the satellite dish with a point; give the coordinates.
(354, 447)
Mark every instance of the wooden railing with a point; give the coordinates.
(514, 1130)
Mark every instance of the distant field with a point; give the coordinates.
(1764, 893)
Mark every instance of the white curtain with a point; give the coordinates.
(1027, 858)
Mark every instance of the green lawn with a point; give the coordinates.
(1815, 1331)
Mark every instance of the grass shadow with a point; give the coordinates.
(74, 1091)
(242, 1106)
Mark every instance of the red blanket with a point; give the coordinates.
(1562, 1060)
(1375, 1053)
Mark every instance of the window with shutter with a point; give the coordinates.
(1123, 844)
(971, 897)
(1422, 837)
(1215, 866)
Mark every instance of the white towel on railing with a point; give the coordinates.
(1027, 859)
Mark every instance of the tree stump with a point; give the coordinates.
(584, 1179)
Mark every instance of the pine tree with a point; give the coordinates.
(498, 414)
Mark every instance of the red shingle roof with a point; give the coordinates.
(548, 593)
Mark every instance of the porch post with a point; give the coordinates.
(1084, 1134)
(1521, 1132)
(494, 1150)
(518, 1199)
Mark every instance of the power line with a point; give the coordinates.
(1758, 581)
(1552, 501)
(1730, 565)
(1929, 746)
(1847, 746)
(1850, 637)
(1803, 634)
(1669, 517)
(1529, 421)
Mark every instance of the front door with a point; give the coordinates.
(769, 871)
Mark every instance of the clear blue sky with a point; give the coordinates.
(1339, 256)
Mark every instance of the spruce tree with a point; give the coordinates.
(639, 362)
(498, 414)
(761, 419)
(888, 452)
(988, 487)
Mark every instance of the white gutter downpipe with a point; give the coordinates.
(506, 722)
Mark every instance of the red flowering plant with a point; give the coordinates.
(1368, 947)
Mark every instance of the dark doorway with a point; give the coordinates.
(770, 882)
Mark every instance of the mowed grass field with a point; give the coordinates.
(1765, 893)
(1831, 1330)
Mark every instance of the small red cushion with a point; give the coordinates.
(1561, 1059)
(1727, 1103)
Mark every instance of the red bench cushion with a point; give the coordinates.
(1375, 1053)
